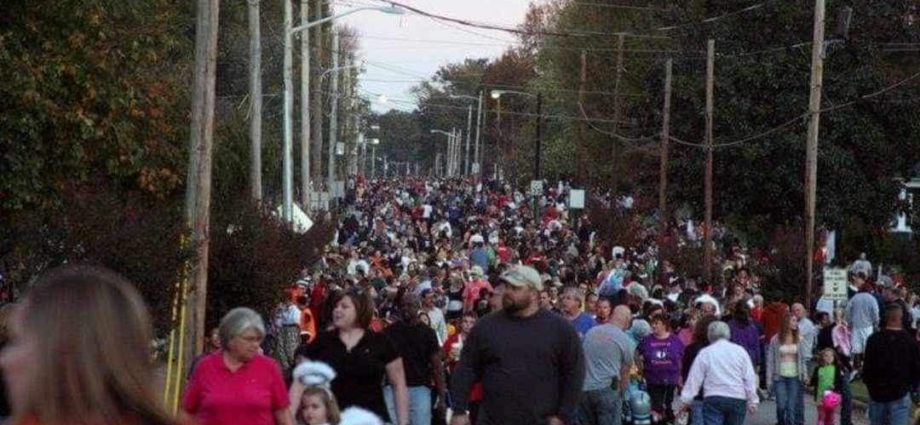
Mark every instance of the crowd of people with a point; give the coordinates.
(459, 301)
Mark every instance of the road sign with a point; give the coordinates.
(835, 284)
(536, 187)
(577, 199)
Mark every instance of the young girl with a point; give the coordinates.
(827, 378)
(315, 404)
(318, 407)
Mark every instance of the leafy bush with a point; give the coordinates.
(254, 257)
(127, 232)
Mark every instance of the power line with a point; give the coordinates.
(587, 120)
(715, 18)
(503, 85)
(517, 31)
(801, 117)
(618, 6)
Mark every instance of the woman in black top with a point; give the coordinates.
(700, 341)
(360, 357)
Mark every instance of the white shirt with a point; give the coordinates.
(722, 369)
(809, 332)
(436, 317)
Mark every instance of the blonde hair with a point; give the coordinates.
(333, 414)
(831, 352)
(78, 312)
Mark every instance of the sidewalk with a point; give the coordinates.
(766, 414)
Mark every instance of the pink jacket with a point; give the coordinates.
(841, 337)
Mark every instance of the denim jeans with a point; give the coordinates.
(419, 404)
(696, 413)
(600, 407)
(891, 413)
(724, 411)
(790, 402)
(846, 403)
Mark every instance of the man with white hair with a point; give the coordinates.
(724, 372)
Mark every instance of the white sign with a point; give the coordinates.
(340, 148)
(835, 284)
(536, 187)
(475, 168)
(577, 199)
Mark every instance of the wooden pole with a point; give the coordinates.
(580, 149)
(316, 114)
(811, 149)
(707, 231)
(305, 70)
(255, 101)
(201, 143)
(617, 111)
(663, 166)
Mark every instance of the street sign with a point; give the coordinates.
(340, 148)
(536, 187)
(835, 284)
(577, 199)
(475, 168)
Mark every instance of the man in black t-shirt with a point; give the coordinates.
(418, 346)
(891, 370)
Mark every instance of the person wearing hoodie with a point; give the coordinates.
(745, 332)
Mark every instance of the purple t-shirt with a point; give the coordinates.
(661, 359)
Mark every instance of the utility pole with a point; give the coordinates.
(707, 231)
(811, 149)
(580, 149)
(334, 112)
(477, 158)
(287, 166)
(255, 102)
(539, 141)
(198, 192)
(617, 106)
(663, 166)
(469, 123)
(458, 140)
(305, 69)
(316, 114)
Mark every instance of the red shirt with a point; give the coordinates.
(249, 396)
(476, 391)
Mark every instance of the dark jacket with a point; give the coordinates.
(892, 366)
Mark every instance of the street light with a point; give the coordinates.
(468, 133)
(374, 143)
(287, 210)
(450, 141)
(497, 94)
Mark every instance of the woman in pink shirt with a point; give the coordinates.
(238, 385)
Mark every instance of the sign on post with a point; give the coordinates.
(536, 187)
(835, 284)
(577, 199)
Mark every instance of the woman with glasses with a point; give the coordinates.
(238, 384)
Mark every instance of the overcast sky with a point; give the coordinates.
(401, 50)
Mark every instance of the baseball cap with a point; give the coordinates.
(523, 276)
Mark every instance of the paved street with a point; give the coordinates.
(766, 415)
